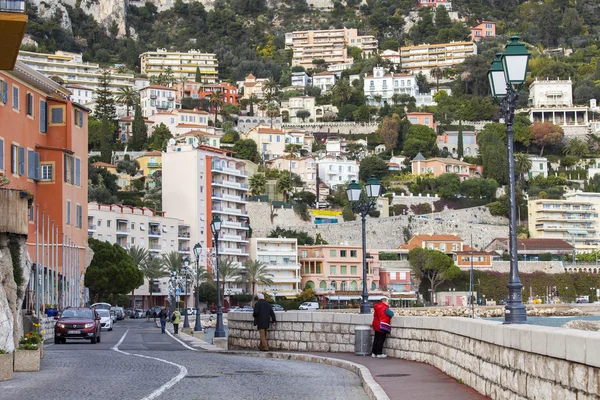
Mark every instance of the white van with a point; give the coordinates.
(309, 305)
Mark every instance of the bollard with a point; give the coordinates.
(362, 340)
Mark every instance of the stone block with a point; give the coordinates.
(593, 380)
(341, 318)
(575, 345)
(322, 317)
(578, 376)
(220, 342)
(539, 342)
(6, 366)
(298, 326)
(592, 347)
(302, 346)
(318, 327)
(27, 360)
(305, 317)
(335, 328)
(361, 319)
(289, 317)
(294, 346)
(562, 372)
(304, 336)
(556, 344)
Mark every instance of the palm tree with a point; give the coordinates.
(262, 106)
(254, 273)
(173, 260)
(127, 96)
(140, 258)
(169, 78)
(438, 74)
(270, 89)
(154, 269)
(577, 148)
(522, 165)
(228, 270)
(341, 92)
(258, 184)
(216, 101)
(251, 102)
(284, 184)
(272, 112)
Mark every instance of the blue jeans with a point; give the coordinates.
(163, 325)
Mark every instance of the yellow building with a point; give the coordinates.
(183, 65)
(150, 163)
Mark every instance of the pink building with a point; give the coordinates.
(421, 118)
(435, 3)
(438, 166)
(485, 29)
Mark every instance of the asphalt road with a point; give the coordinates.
(136, 362)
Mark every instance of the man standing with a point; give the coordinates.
(263, 314)
(176, 320)
(163, 319)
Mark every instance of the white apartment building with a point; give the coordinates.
(155, 98)
(183, 65)
(334, 171)
(181, 121)
(425, 57)
(539, 166)
(72, 70)
(380, 87)
(574, 219)
(200, 183)
(324, 80)
(329, 45)
(143, 227)
(301, 79)
(299, 137)
(280, 255)
(81, 94)
(305, 103)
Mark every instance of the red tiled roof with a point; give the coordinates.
(153, 153)
(540, 244)
(417, 239)
(159, 87)
(101, 164)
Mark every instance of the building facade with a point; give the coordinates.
(439, 166)
(181, 121)
(335, 171)
(324, 80)
(448, 141)
(421, 118)
(380, 87)
(483, 30)
(305, 167)
(270, 142)
(182, 65)
(294, 105)
(280, 255)
(155, 98)
(425, 57)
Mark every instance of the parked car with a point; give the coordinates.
(119, 312)
(277, 307)
(77, 323)
(105, 319)
(113, 316)
(234, 309)
(105, 306)
(309, 305)
(247, 309)
(139, 313)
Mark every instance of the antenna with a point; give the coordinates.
(172, 142)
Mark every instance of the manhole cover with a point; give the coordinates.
(392, 375)
(202, 376)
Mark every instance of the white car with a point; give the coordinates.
(309, 305)
(106, 321)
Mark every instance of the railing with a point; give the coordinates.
(183, 234)
(154, 165)
(186, 249)
(154, 233)
(153, 96)
(15, 6)
(233, 224)
(155, 246)
(91, 227)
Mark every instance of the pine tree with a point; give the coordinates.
(460, 146)
(107, 134)
(105, 103)
(139, 135)
(198, 75)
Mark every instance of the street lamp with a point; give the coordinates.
(506, 75)
(390, 292)
(186, 321)
(197, 253)
(173, 286)
(363, 205)
(215, 227)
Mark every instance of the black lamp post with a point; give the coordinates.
(363, 204)
(215, 227)
(186, 321)
(173, 281)
(506, 76)
(197, 253)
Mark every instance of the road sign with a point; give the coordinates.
(178, 291)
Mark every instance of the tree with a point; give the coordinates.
(172, 260)
(303, 114)
(216, 101)
(139, 131)
(438, 74)
(448, 185)
(389, 132)
(153, 269)
(493, 152)
(160, 137)
(112, 272)
(258, 184)
(127, 96)
(198, 77)
(577, 148)
(460, 149)
(207, 293)
(284, 184)
(302, 237)
(432, 265)
(341, 92)
(128, 166)
(105, 104)
(254, 272)
(348, 214)
(372, 165)
(228, 271)
(246, 149)
(442, 19)
(522, 166)
(420, 139)
(546, 134)
(270, 90)
(272, 112)
(107, 133)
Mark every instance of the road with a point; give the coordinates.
(136, 362)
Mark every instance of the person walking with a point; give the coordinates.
(382, 316)
(163, 319)
(147, 315)
(263, 314)
(176, 320)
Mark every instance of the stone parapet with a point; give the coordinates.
(500, 361)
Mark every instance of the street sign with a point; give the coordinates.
(178, 291)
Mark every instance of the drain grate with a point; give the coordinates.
(201, 376)
(392, 375)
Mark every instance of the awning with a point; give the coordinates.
(577, 232)
(403, 298)
(342, 297)
(377, 298)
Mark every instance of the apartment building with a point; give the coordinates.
(200, 183)
(130, 226)
(574, 220)
(270, 142)
(421, 118)
(72, 70)
(280, 255)
(335, 171)
(483, 30)
(331, 269)
(81, 94)
(381, 88)
(301, 79)
(156, 98)
(425, 57)
(448, 141)
(197, 90)
(252, 87)
(324, 80)
(182, 65)
(43, 151)
(435, 4)
(329, 45)
(297, 104)
(305, 167)
(181, 121)
(13, 21)
(439, 166)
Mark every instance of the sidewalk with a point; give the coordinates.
(407, 380)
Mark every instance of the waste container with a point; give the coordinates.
(362, 340)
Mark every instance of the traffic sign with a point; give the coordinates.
(178, 291)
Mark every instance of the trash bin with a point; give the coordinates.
(362, 340)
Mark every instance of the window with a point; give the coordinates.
(426, 120)
(343, 253)
(30, 104)
(1, 152)
(15, 97)
(343, 286)
(4, 88)
(56, 115)
(68, 212)
(353, 253)
(332, 270)
(343, 270)
(78, 216)
(43, 116)
(33, 165)
(304, 253)
(332, 253)
(21, 160)
(133, 225)
(79, 118)
(542, 166)
(99, 223)
(108, 223)
(46, 173)
(353, 269)
(318, 271)
(78, 172)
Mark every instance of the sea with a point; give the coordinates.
(553, 321)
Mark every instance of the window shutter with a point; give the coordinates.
(21, 160)
(66, 158)
(1, 154)
(81, 118)
(5, 93)
(78, 172)
(30, 164)
(37, 166)
(13, 159)
(72, 169)
(43, 116)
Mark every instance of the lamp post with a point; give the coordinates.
(173, 285)
(506, 75)
(197, 253)
(390, 292)
(215, 227)
(186, 321)
(363, 204)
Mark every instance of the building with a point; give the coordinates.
(329, 45)
(280, 255)
(81, 94)
(200, 183)
(334, 171)
(71, 69)
(425, 57)
(395, 281)
(180, 121)
(533, 249)
(13, 20)
(125, 127)
(539, 166)
(270, 142)
(297, 104)
(301, 79)
(435, 3)
(337, 269)
(574, 220)
(202, 137)
(421, 118)
(130, 226)
(300, 138)
(43, 152)
(438, 166)
(150, 162)
(182, 65)
(196, 90)
(305, 167)
(253, 87)
(483, 30)
(324, 80)
(380, 88)
(448, 141)
(156, 98)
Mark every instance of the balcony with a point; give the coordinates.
(227, 170)
(91, 227)
(229, 197)
(183, 235)
(122, 231)
(154, 233)
(233, 238)
(230, 184)
(235, 225)
(232, 251)
(162, 106)
(153, 96)
(183, 249)
(171, 98)
(13, 20)
(228, 210)
(154, 247)
(154, 165)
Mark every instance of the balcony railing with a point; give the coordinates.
(154, 165)
(16, 6)
(153, 233)
(91, 227)
(236, 185)
(184, 249)
(183, 234)
(154, 246)
(153, 96)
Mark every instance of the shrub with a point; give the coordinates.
(348, 214)
(545, 257)
(388, 256)
(420, 209)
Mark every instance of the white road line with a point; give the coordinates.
(180, 342)
(182, 370)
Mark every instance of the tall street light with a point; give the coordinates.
(186, 321)
(506, 76)
(363, 204)
(215, 227)
(197, 253)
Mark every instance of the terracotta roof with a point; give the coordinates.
(192, 125)
(418, 113)
(250, 76)
(194, 111)
(416, 240)
(198, 132)
(101, 164)
(447, 161)
(540, 244)
(153, 153)
(158, 87)
(268, 130)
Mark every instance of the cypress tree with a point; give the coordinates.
(107, 135)
(198, 75)
(139, 131)
(460, 146)
(105, 103)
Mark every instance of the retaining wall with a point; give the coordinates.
(500, 361)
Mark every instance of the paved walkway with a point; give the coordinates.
(407, 380)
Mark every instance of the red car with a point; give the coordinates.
(213, 309)
(77, 323)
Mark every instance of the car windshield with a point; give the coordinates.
(77, 314)
(103, 313)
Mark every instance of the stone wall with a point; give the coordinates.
(549, 267)
(385, 233)
(342, 128)
(499, 361)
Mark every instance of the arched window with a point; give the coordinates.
(353, 285)
(333, 286)
(323, 285)
(343, 286)
(310, 284)
(373, 286)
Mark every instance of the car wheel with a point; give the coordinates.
(56, 340)
(110, 329)
(94, 339)
(63, 340)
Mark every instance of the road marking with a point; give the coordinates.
(180, 342)
(160, 390)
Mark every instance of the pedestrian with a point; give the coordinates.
(263, 314)
(382, 316)
(147, 315)
(176, 320)
(163, 319)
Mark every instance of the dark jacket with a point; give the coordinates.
(163, 315)
(262, 313)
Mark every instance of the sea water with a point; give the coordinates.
(553, 321)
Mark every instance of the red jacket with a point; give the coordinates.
(379, 315)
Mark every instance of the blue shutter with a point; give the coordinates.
(30, 164)
(1, 154)
(5, 93)
(78, 172)
(81, 118)
(43, 116)
(72, 169)
(37, 166)
(21, 160)
(66, 168)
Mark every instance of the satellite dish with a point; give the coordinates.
(171, 142)
(195, 142)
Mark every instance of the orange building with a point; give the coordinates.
(43, 151)
(421, 118)
(203, 90)
(485, 29)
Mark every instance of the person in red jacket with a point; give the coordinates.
(382, 317)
